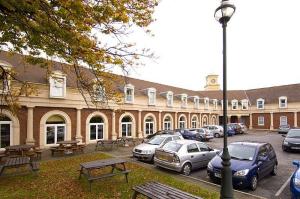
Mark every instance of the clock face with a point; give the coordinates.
(213, 81)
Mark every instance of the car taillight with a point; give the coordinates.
(176, 158)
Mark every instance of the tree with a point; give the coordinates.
(80, 33)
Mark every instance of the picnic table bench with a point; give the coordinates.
(156, 190)
(106, 144)
(87, 168)
(19, 162)
(67, 147)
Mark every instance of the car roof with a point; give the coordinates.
(250, 143)
(186, 141)
(166, 135)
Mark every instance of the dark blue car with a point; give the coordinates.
(250, 161)
(295, 181)
(230, 131)
(191, 135)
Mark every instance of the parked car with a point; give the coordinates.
(162, 132)
(190, 135)
(295, 181)
(230, 131)
(205, 134)
(292, 140)
(239, 128)
(184, 155)
(146, 150)
(217, 130)
(250, 161)
(284, 129)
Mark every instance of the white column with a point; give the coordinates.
(239, 118)
(175, 121)
(250, 122)
(29, 138)
(113, 125)
(159, 120)
(78, 126)
(190, 122)
(200, 120)
(295, 119)
(140, 133)
(271, 125)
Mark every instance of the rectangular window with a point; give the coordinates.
(261, 121)
(167, 125)
(283, 120)
(184, 101)
(152, 96)
(194, 124)
(196, 101)
(215, 102)
(57, 87)
(260, 104)
(149, 128)
(282, 102)
(245, 105)
(234, 105)
(129, 95)
(55, 133)
(169, 99)
(206, 103)
(126, 129)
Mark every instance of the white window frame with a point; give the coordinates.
(99, 95)
(262, 103)
(168, 123)
(150, 91)
(245, 102)
(129, 87)
(206, 103)
(234, 104)
(182, 123)
(52, 81)
(126, 124)
(55, 133)
(169, 98)
(260, 120)
(97, 126)
(196, 102)
(215, 104)
(284, 104)
(281, 120)
(194, 122)
(10, 132)
(149, 124)
(183, 100)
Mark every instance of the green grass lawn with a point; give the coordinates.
(59, 179)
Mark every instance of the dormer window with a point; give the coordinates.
(151, 96)
(283, 102)
(206, 103)
(244, 104)
(260, 103)
(183, 100)
(5, 70)
(215, 104)
(129, 93)
(169, 99)
(57, 85)
(196, 102)
(234, 104)
(99, 93)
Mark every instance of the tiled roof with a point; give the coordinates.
(37, 74)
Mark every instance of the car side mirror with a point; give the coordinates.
(283, 136)
(296, 163)
(261, 158)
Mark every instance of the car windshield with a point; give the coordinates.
(294, 133)
(172, 146)
(156, 140)
(241, 152)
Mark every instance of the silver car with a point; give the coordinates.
(217, 130)
(184, 155)
(146, 150)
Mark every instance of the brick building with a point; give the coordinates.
(59, 112)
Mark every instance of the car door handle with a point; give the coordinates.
(192, 156)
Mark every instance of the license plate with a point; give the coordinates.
(218, 175)
(295, 148)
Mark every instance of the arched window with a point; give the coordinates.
(5, 131)
(167, 123)
(96, 128)
(149, 125)
(182, 122)
(55, 129)
(204, 120)
(194, 122)
(126, 124)
(213, 120)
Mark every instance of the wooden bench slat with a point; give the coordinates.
(167, 193)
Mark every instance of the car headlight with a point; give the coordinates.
(147, 151)
(297, 182)
(242, 172)
(209, 166)
(285, 143)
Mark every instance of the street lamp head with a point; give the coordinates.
(224, 12)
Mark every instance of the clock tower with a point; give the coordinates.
(212, 83)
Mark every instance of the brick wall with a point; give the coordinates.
(276, 119)
(267, 120)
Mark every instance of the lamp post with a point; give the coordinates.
(223, 14)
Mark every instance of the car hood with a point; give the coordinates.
(145, 146)
(297, 173)
(292, 140)
(236, 165)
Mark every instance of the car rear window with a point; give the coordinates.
(172, 146)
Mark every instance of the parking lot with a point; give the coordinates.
(268, 186)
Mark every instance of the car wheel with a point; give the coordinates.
(217, 135)
(275, 170)
(186, 169)
(284, 148)
(253, 184)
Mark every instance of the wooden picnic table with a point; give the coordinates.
(68, 142)
(18, 149)
(156, 190)
(87, 168)
(106, 144)
(67, 147)
(19, 162)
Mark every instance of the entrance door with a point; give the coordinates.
(5, 134)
